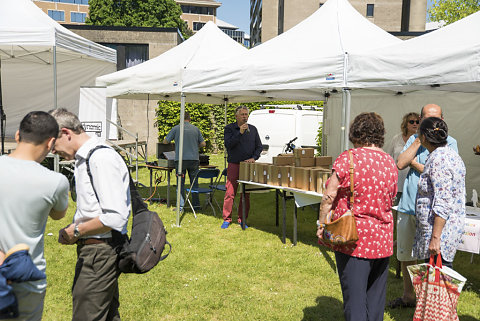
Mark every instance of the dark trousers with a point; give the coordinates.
(364, 285)
(190, 166)
(95, 286)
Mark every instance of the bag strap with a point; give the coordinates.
(437, 266)
(352, 172)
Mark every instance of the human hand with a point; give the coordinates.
(65, 235)
(244, 128)
(250, 160)
(434, 246)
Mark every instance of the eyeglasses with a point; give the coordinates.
(414, 122)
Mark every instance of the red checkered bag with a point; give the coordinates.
(437, 289)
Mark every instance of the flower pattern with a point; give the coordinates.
(441, 191)
(375, 186)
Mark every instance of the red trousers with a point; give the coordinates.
(232, 184)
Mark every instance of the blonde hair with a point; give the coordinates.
(404, 124)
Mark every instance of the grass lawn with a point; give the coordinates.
(215, 274)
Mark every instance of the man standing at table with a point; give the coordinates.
(414, 155)
(192, 141)
(243, 144)
(100, 222)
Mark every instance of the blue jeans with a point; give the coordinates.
(190, 166)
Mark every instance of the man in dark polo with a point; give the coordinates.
(243, 144)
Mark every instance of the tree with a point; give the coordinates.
(137, 13)
(452, 10)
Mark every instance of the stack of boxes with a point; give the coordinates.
(301, 170)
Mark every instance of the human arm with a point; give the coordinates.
(327, 201)
(91, 227)
(231, 137)
(60, 200)
(170, 136)
(409, 153)
(201, 141)
(434, 246)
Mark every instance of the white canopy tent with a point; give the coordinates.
(162, 78)
(42, 64)
(303, 63)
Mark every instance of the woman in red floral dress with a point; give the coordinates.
(363, 266)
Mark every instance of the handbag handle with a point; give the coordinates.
(437, 265)
(351, 171)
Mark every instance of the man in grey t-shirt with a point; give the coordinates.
(192, 141)
(29, 193)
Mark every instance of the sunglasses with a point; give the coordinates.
(414, 122)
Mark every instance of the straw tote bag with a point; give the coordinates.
(344, 229)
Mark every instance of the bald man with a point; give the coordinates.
(414, 155)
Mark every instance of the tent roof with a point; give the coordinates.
(25, 30)
(162, 77)
(445, 59)
(301, 63)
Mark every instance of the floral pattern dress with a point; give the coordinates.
(441, 191)
(375, 186)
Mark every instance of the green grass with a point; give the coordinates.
(215, 274)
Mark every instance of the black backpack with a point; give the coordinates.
(143, 250)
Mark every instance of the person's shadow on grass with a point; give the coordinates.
(327, 309)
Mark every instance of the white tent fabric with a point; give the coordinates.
(162, 78)
(459, 110)
(35, 54)
(445, 59)
(302, 63)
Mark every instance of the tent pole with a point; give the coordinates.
(180, 156)
(343, 126)
(2, 114)
(54, 77)
(324, 134)
(347, 116)
(225, 99)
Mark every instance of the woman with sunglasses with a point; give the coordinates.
(409, 126)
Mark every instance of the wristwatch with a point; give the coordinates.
(76, 232)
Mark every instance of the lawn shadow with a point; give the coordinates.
(467, 318)
(324, 250)
(327, 309)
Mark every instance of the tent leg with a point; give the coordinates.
(347, 96)
(180, 156)
(54, 77)
(225, 99)
(2, 114)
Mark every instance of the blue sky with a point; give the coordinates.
(237, 12)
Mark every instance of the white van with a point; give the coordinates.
(279, 125)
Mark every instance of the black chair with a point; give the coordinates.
(206, 173)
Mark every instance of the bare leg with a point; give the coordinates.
(408, 292)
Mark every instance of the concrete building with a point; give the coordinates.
(65, 11)
(269, 18)
(198, 12)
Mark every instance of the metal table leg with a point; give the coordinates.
(151, 174)
(294, 224)
(243, 206)
(168, 188)
(284, 212)
(276, 207)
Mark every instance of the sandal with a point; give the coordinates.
(399, 303)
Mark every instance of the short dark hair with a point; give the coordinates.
(186, 116)
(67, 120)
(36, 127)
(435, 131)
(367, 129)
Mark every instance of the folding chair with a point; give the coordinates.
(216, 186)
(206, 173)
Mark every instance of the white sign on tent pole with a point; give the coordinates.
(94, 110)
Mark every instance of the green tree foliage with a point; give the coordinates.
(452, 10)
(137, 13)
(210, 119)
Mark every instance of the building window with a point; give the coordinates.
(198, 25)
(78, 17)
(85, 2)
(56, 15)
(210, 11)
(129, 55)
(370, 10)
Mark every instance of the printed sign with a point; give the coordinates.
(93, 127)
(471, 237)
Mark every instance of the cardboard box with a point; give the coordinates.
(284, 175)
(291, 177)
(324, 161)
(273, 175)
(244, 173)
(251, 172)
(302, 178)
(284, 160)
(260, 173)
(322, 177)
(304, 152)
(166, 162)
(312, 180)
(305, 162)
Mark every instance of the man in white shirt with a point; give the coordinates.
(29, 194)
(98, 223)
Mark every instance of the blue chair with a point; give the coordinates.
(205, 173)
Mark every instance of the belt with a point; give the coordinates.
(91, 241)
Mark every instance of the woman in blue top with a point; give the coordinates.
(440, 205)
